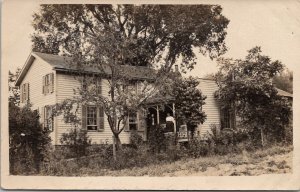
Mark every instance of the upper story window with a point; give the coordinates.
(134, 87)
(92, 85)
(24, 93)
(48, 83)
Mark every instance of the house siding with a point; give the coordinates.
(211, 107)
(34, 77)
(65, 85)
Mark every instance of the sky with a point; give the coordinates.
(274, 25)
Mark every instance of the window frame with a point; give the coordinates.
(48, 118)
(48, 83)
(24, 93)
(95, 113)
(94, 84)
(98, 114)
(136, 122)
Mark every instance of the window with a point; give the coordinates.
(92, 118)
(133, 121)
(48, 83)
(93, 85)
(24, 93)
(227, 118)
(48, 118)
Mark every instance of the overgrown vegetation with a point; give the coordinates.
(29, 143)
(115, 37)
(77, 141)
(157, 139)
(139, 162)
(189, 101)
(246, 87)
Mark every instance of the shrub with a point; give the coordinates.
(228, 141)
(289, 134)
(198, 148)
(77, 140)
(29, 143)
(136, 139)
(156, 140)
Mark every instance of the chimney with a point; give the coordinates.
(176, 68)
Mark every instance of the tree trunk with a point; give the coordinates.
(114, 148)
(118, 142)
(117, 145)
(262, 137)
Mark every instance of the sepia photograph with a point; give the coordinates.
(149, 95)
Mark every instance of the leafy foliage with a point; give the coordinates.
(14, 92)
(156, 140)
(136, 140)
(284, 80)
(29, 144)
(189, 101)
(77, 141)
(106, 37)
(247, 86)
(145, 32)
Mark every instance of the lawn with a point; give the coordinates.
(273, 160)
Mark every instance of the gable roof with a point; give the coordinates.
(62, 63)
(283, 93)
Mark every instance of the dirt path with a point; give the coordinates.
(276, 164)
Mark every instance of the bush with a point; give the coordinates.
(156, 140)
(289, 134)
(136, 139)
(29, 143)
(198, 148)
(77, 140)
(229, 141)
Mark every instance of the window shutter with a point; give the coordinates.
(83, 117)
(52, 82)
(99, 87)
(44, 82)
(21, 93)
(48, 85)
(126, 128)
(139, 87)
(27, 92)
(50, 119)
(141, 121)
(43, 117)
(100, 119)
(46, 117)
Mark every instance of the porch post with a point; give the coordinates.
(174, 117)
(157, 114)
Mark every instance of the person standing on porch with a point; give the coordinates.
(170, 122)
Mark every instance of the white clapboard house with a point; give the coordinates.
(45, 80)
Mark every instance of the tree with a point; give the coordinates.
(246, 86)
(14, 92)
(28, 142)
(109, 37)
(189, 101)
(284, 80)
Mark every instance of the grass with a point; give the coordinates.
(246, 163)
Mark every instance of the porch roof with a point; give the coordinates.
(159, 99)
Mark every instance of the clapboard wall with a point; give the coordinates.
(211, 107)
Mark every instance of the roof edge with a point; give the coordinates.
(25, 68)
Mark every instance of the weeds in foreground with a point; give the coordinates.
(161, 165)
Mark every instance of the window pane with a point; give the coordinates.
(133, 121)
(91, 118)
